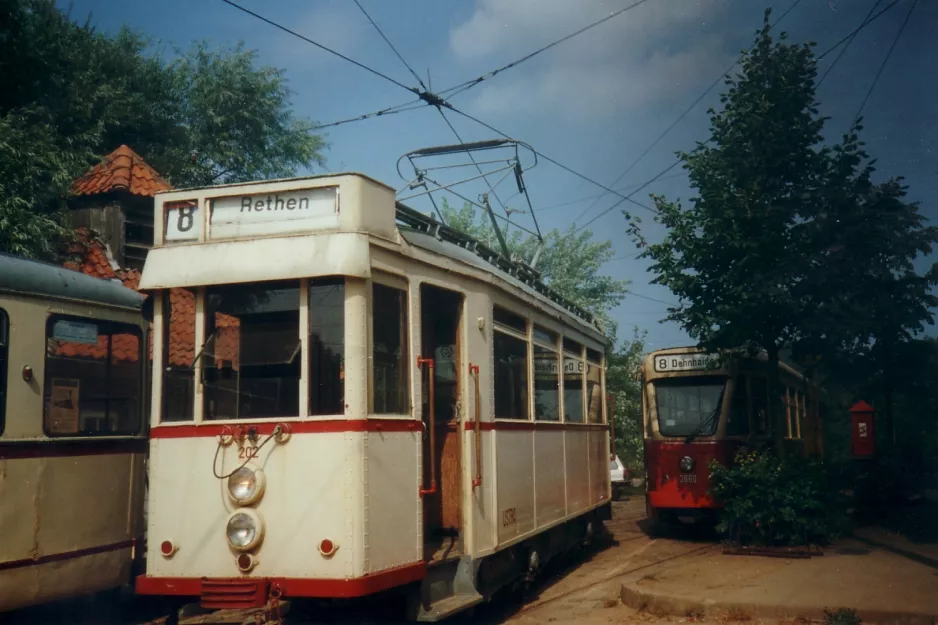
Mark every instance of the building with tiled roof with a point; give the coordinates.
(115, 200)
(111, 208)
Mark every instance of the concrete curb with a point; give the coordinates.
(660, 604)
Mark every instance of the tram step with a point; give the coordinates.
(439, 610)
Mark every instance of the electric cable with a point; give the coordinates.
(465, 86)
(391, 45)
(824, 54)
(319, 45)
(681, 117)
(885, 60)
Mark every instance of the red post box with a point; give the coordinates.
(861, 428)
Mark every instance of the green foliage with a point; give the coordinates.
(72, 95)
(624, 385)
(789, 244)
(570, 262)
(771, 500)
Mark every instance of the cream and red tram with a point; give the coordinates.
(349, 398)
(72, 433)
(699, 407)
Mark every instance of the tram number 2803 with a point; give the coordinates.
(688, 478)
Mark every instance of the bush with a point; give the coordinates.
(772, 501)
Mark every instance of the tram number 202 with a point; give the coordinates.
(248, 452)
(689, 478)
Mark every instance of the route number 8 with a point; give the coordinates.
(185, 219)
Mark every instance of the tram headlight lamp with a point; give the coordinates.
(687, 464)
(246, 485)
(244, 530)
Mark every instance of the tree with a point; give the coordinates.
(789, 244)
(624, 385)
(71, 95)
(735, 256)
(570, 262)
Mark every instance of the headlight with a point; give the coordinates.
(244, 530)
(687, 464)
(246, 485)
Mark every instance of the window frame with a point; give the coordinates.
(581, 359)
(141, 399)
(529, 353)
(402, 284)
(4, 365)
(556, 350)
(601, 368)
(306, 375)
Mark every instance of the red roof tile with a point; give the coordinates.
(121, 170)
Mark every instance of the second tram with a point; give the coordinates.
(72, 433)
(698, 407)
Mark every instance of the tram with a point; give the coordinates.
(699, 407)
(72, 433)
(350, 398)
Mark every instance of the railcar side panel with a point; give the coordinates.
(600, 484)
(578, 470)
(515, 461)
(549, 482)
(392, 509)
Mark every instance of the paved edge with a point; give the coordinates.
(664, 605)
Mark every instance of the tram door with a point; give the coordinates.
(441, 320)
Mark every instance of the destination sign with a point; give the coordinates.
(286, 212)
(686, 362)
(548, 367)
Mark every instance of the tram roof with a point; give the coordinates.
(22, 276)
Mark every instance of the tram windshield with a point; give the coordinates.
(689, 407)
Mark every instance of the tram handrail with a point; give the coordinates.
(432, 419)
(477, 480)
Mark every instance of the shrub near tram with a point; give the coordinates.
(776, 501)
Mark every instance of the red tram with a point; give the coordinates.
(698, 407)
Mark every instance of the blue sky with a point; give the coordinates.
(594, 103)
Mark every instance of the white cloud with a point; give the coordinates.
(650, 55)
(332, 24)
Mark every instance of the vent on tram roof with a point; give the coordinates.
(424, 223)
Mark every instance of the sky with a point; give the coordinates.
(594, 103)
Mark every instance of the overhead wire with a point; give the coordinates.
(882, 66)
(546, 157)
(677, 161)
(391, 45)
(681, 117)
(850, 39)
(452, 91)
(392, 110)
(318, 45)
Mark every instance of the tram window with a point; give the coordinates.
(390, 362)
(572, 347)
(689, 406)
(738, 423)
(4, 359)
(251, 356)
(594, 389)
(511, 376)
(574, 377)
(510, 320)
(93, 377)
(758, 388)
(179, 350)
(326, 347)
(546, 384)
